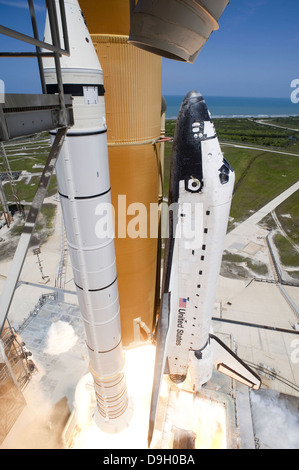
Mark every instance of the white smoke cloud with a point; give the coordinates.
(275, 423)
(61, 338)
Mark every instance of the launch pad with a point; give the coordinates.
(61, 398)
(209, 419)
(46, 417)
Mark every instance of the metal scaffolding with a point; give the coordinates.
(27, 114)
(15, 359)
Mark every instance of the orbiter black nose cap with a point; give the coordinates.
(195, 103)
(193, 94)
(193, 97)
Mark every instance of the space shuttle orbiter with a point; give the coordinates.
(201, 186)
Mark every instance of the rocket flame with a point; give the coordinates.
(182, 409)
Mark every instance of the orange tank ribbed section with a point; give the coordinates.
(132, 80)
(136, 258)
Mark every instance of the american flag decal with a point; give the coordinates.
(182, 303)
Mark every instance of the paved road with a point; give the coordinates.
(246, 227)
(259, 148)
(275, 125)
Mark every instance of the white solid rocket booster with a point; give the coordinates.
(84, 187)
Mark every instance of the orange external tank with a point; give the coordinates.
(132, 81)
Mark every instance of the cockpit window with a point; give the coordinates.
(224, 172)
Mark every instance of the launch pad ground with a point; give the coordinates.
(56, 339)
(240, 419)
(222, 415)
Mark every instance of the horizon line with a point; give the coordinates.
(230, 96)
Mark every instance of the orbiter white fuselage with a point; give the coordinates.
(201, 187)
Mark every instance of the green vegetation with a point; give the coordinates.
(48, 213)
(44, 221)
(251, 131)
(268, 222)
(254, 265)
(259, 176)
(255, 132)
(288, 215)
(288, 255)
(232, 257)
(167, 160)
(43, 229)
(26, 188)
(291, 122)
(170, 127)
(29, 156)
(294, 275)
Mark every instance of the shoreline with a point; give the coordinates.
(245, 116)
(225, 107)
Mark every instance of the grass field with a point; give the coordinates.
(288, 255)
(254, 131)
(28, 156)
(288, 215)
(43, 229)
(26, 189)
(257, 267)
(259, 176)
(290, 122)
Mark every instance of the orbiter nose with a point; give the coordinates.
(193, 95)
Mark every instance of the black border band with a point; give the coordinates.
(97, 290)
(81, 134)
(87, 197)
(74, 89)
(104, 352)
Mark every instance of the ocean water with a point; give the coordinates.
(223, 106)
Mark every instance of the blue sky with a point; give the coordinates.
(254, 52)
